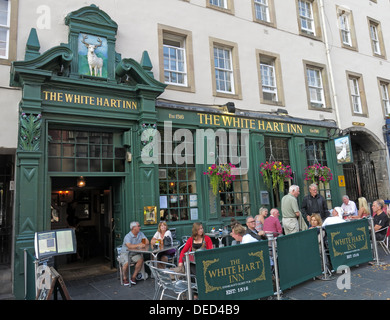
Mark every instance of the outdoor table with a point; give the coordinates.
(149, 249)
(224, 235)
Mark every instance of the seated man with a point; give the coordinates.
(132, 241)
(238, 233)
(349, 207)
(337, 217)
(251, 223)
(272, 223)
(381, 220)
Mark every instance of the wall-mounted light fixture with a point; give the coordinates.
(282, 112)
(129, 156)
(81, 182)
(229, 107)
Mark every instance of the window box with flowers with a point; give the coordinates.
(275, 173)
(317, 173)
(221, 176)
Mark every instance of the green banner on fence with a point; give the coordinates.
(349, 243)
(236, 272)
(298, 257)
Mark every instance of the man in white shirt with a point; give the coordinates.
(238, 233)
(349, 207)
(337, 217)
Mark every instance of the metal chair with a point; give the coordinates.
(185, 238)
(385, 241)
(174, 257)
(141, 275)
(167, 280)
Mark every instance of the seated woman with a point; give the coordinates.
(197, 241)
(163, 232)
(315, 220)
(364, 210)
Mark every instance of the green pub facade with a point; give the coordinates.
(89, 115)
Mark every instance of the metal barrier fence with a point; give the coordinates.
(243, 271)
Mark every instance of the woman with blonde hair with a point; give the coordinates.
(259, 219)
(315, 220)
(163, 232)
(364, 210)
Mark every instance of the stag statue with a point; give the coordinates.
(95, 63)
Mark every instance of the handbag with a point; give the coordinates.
(167, 241)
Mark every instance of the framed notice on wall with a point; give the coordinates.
(150, 215)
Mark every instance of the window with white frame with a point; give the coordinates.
(355, 95)
(219, 3)
(345, 29)
(268, 80)
(175, 67)
(5, 7)
(385, 97)
(375, 39)
(315, 86)
(262, 10)
(306, 16)
(223, 70)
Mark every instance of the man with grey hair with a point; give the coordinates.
(133, 241)
(314, 203)
(290, 211)
(349, 207)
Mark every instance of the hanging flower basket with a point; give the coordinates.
(317, 173)
(275, 173)
(221, 176)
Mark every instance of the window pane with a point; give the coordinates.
(90, 148)
(4, 12)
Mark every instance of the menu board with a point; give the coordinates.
(54, 242)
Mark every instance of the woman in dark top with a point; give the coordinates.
(197, 241)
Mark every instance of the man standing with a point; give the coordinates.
(314, 203)
(349, 207)
(133, 241)
(272, 223)
(292, 220)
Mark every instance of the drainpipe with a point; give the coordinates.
(331, 78)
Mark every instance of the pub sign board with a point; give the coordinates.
(239, 272)
(349, 243)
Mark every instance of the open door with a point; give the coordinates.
(117, 213)
(108, 225)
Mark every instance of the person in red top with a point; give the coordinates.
(198, 241)
(272, 223)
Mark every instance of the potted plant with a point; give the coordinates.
(317, 173)
(275, 173)
(221, 176)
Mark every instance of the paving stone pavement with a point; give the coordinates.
(368, 282)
